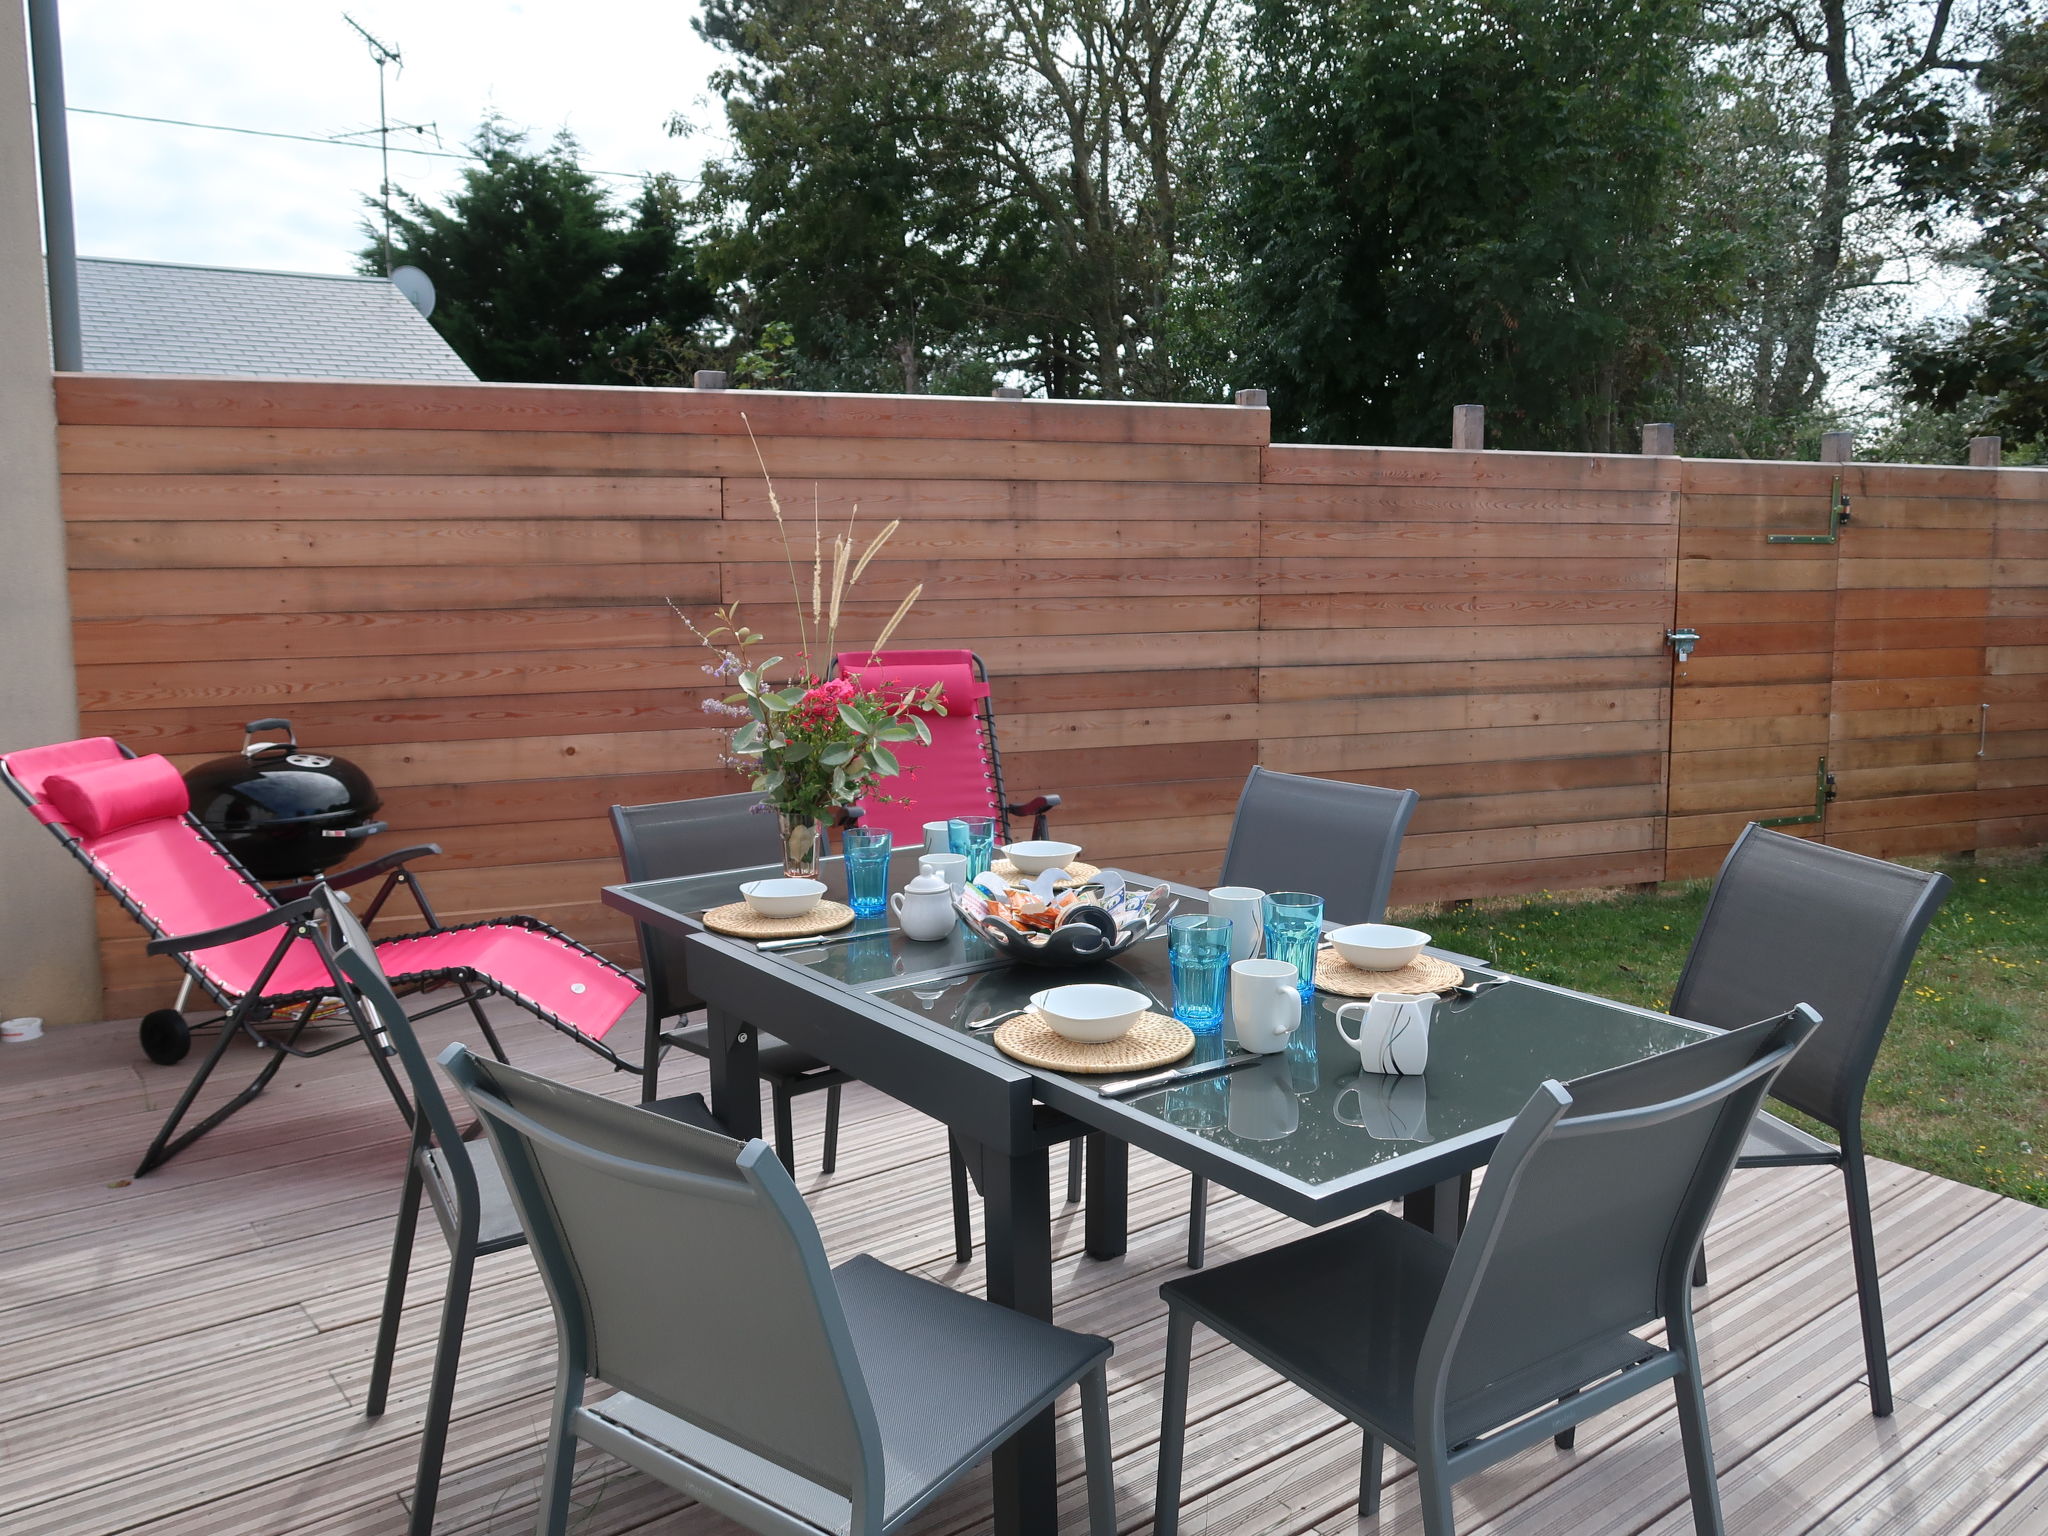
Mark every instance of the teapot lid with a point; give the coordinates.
(925, 881)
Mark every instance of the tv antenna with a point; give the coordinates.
(384, 55)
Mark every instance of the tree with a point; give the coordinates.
(541, 278)
(1447, 200)
(1993, 170)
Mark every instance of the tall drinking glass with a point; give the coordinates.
(974, 836)
(866, 852)
(1198, 950)
(1294, 931)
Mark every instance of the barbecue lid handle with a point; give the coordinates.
(269, 723)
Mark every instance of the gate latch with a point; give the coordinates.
(1681, 642)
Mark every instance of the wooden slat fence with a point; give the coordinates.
(463, 588)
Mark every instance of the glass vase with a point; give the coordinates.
(803, 839)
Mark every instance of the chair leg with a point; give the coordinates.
(1433, 1488)
(1095, 1447)
(165, 1147)
(1198, 1221)
(1699, 1267)
(1173, 1420)
(1863, 1246)
(558, 1471)
(1565, 1439)
(831, 1160)
(785, 1130)
(394, 1283)
(963, 1216)
(483, 1023)
(441, 1397)
(1371, 1468)
(1077, 1162)
(1692, 1432)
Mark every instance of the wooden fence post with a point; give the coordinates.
(1468, 426)
(1837, 447)
(1987, 452)
(1006, 392)
(709, 378)
(1252, 398)
(1660, 439)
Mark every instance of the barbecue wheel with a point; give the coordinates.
(166, 1037)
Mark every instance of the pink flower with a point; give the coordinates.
(839, 691)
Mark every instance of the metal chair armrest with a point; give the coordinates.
(276, 917)
(1036, 810)
(382, 864)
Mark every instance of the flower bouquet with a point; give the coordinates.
(811, 746)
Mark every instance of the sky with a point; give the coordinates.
(610, 71)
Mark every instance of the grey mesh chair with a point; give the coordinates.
(788, 1396)
(1461, 1356)
(1294, 833)
(695, 837)
(467, 1195)
(1790, 921)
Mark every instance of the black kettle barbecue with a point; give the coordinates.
(286, 812)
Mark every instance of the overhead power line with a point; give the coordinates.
(306, 138)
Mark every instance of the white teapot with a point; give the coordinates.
(924, 908)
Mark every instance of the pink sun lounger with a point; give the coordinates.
(128, 820)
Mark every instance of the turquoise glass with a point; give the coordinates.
(1294, 931)
(974, 836)
(867, 869)
(1198, 954)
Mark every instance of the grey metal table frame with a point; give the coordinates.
(1007, 1117)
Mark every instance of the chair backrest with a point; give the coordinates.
(1794, 921)
(1590, 1218)
(685, 1269)
(1339, 840)
(127, 819)
(960, 773)
(688, 837)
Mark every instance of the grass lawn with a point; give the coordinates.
(1961, 1086)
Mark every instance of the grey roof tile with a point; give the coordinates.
(156, 317)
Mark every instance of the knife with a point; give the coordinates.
(1178, 1075)
(824, 938)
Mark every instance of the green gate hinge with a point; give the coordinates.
(1823, 792)
(1838, 514)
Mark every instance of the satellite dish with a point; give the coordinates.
(416, 286)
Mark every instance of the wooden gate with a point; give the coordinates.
(1839, 685)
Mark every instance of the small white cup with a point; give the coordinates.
(1246, 909)
(938, 837)
(949, 867)
(20, 1031)
(1265, 1004)
(1393, 1032)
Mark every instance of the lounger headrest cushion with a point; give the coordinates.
(109, 796)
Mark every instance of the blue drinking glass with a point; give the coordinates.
(867, 869)
(1294, 931)
(1198, 950)
(974, 836)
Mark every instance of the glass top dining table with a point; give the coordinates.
(1306, 1120)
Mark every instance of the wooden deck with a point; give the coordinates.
(188, 1353)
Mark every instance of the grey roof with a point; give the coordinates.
(156, 317)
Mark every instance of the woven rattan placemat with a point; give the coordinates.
(740, 921)
(1425, 973)
(1078, 873)
(1154, 1041)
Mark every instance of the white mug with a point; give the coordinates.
(1246, 909)
(1393, 1032)
(1265, 1004)
(949, 867)
(938, 837)
(1262, 1108)
(1389, 1108)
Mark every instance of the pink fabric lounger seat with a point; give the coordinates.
(128, 820)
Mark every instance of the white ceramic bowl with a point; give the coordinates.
(1090, 1013)
(1378, 946)
(1037, 858)
(782, 897)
